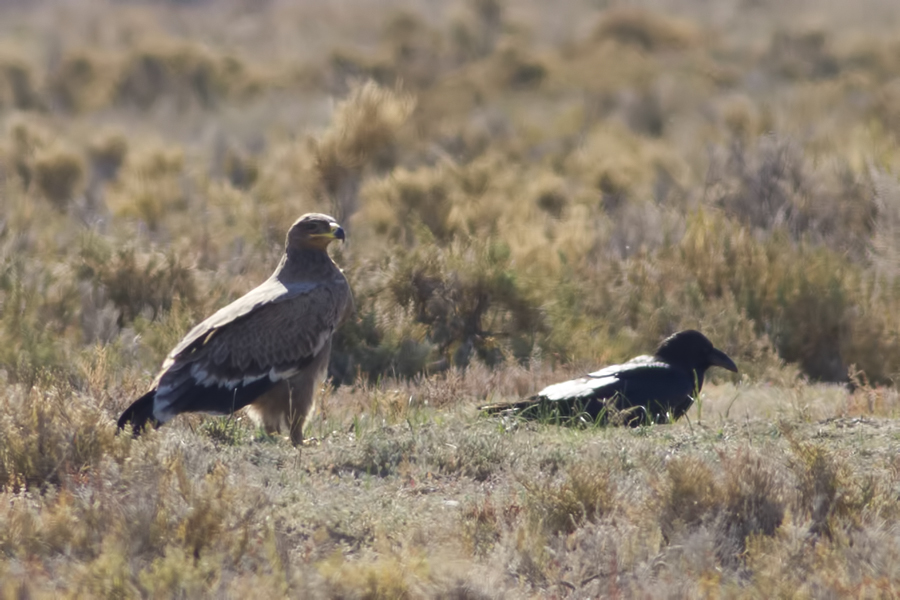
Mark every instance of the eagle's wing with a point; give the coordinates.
(244, 349)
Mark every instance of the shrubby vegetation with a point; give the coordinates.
(529, 190)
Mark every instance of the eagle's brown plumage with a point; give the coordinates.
(266, 350)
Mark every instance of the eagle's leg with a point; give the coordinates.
(300, 405)
(286, 407)
(267, 410)
(303, 387)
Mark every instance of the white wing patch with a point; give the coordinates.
(324, 335)
(204, 378)
(162, 408)
(575, 387)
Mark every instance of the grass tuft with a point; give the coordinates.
(59, 174)
(586, 494)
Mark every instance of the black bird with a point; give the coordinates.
(658, 388)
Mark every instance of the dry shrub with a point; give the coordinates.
(383, 339)
(515, 67)
(748, 499)
(477, 456)
(829, 494)
(175, 573)
(688, 498)
(802, 55)
(363, 134)
(137, 282)
(393, 576)
(476, 28)
(456, 292)
(59, 173)
(38, 315)
(413, 49)
(397, 206)
(159, 336)
(816, 306)
(64, 437)
(742, 117)
(550, 204)
(82, 80)
(866, 399)
(168, 523)
(151, 186)
(586, 495)
(448, 282)
(885, 107)
(382, 457)
(186, 73)
(410, 52)
(885, 244)
(443, 390)
(375, 345)
(18, 89)
(482, 524)
(209, 504)
(770, 186)
(754, 497)
(241, 169)
(107, 152)
(346, 66)
(550, 194)
(622, 165)
(647, 30)
(26, 136)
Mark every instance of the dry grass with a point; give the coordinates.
(529, 192)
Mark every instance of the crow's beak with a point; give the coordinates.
(717, 358)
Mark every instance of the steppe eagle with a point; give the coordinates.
(267, 350)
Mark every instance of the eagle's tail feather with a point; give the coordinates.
(139, 414)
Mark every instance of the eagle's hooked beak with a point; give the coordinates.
(336, 232)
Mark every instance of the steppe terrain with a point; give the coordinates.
(530, 190)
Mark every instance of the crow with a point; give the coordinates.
(658, 388)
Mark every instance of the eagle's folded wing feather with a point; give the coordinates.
(244, 349)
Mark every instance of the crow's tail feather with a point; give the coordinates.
(494, 409)
(575, 409)
(139, 414)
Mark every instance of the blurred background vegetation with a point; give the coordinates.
(569, 182)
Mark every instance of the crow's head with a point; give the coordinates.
(692, 351)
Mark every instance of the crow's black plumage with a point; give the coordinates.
(658, 388)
